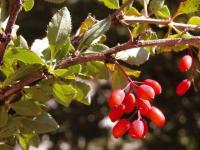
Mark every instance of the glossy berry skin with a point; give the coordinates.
(183, 87)
(129, 102)
(144, 106)
(155, 85)
(138, 129)
(116, 98)
(185, 63)
(121, 128)
(145, 92)
(116, 112)
(156, 116)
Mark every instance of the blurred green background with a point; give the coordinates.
(85, 127)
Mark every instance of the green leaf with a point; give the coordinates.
(27, 108)
(55, 1)
(21, 42)
(94, 32)
(11, 127)
(163, 12)
(5, 147)
(26, 140)
(134, 56)
(5, 9)
(3, 116)
(28, 5)
(40, 124)
(83, 92)
(21, 54)
(63, 92)
(194, 20)
(112, 4)
(132, 11)
(119, 80)
(96, 69)
(59, 30)
(188, 6)
(156, 5)
(96, 48)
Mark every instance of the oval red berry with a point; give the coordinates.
(156, 116)
(185, 63)
(155, 85)
(183, 87)
(116, 98)
(121, 128)
(129, 102)
(144, 106)
(116, 113)
(145, 92)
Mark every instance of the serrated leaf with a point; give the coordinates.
(28, 5)
(3, 116)
(119, 80)
(40, 124)
(194, 20)
(21, 54)
(63, 92)
(55, 1)
(156, 5)
(112, 4)
(134, 56)
(27, 108)
(94, 32)
(26, 140)
(59, 30)
(163, 13)
(188, 6)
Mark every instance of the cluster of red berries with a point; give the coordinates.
(185, 64)
(135, 99)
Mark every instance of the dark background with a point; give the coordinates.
(80, 127)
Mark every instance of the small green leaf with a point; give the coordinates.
(3, 116)
(132, 11)
(134, 56)
(59, 30)
(194, 20)
(119, 80)
(26, 140)
(21, 54)
(156, 5)
(94, 32)
(28, 5)
(188, 6)
(21, 42)
(55, 1)
(63, 92)
(96, 48)
(40, 124)
(112, 4)
(27, 108)
(163, 12)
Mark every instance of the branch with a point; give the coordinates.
(132, 20)
(103, 56)
(16, 7)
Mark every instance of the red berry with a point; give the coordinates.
(116, 98)
(185, 63)
(155, 85)
(121, 128)
(144, 106)
(138, 129)
(145, 92)
(183, 87)
(116, 112)
(129, 102)
(156, 116)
